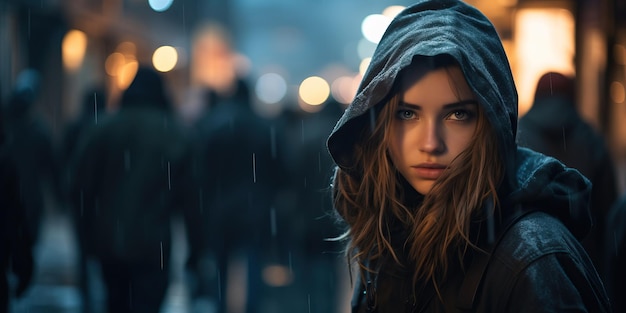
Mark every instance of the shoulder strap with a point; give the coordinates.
(480, 261)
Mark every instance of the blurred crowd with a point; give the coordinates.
(252, 192)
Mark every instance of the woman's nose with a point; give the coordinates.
(431, 139)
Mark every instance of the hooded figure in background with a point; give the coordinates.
(554, 127)
(28, 142)
(132, 173)
(444, 212)
(16, 242)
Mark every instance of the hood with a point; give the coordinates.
(430, 28)
(546, 184)
(553, 113)
(146, 90)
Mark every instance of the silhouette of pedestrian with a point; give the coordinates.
(554, 127)
(133, 172)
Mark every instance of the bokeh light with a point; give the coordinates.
(392, 11)
(112, 64)
(160, 5)
(343, 89)
(164, 58)
(365, 48)
(365, 63)
(126, 74)
(314, 90)
(618, 92)
(276, 275)
(271, 88)
(374, 26)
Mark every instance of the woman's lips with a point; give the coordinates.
(429, 170)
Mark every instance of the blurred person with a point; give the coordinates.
(239, 166)
(30, 146)
(216, 70)
(306, 208)
(554, 127)
(241, 172)
(131, 174)
(92, 110)
(445, 212)
(16, 243)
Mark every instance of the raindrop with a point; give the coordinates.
(95, 108)
(564, 141)
(273, 221)
(29, 24)
(302, 131)
(309, 299)
(253, 168)
(319, 162)
(161, 255)
(127, 160)
(169, 177)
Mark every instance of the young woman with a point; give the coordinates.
(444, 211)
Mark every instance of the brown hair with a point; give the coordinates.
(439, 226)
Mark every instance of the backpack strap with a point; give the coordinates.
(480, 260)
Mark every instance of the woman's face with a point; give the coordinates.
(435, 121)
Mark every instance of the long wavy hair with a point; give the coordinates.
(377, 198)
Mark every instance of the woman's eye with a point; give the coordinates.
(405, 114)
(460, 115)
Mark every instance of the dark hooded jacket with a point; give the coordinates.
(132, 172)
(534, 261)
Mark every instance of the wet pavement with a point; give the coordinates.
(55, 286)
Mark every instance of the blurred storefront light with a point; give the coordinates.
(544, 41)
(74, 46)
(618, 92)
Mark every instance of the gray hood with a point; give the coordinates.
(430, 28)
(448, 27)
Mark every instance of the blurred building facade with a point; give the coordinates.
(296, 39)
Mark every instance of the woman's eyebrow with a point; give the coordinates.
(458, 104)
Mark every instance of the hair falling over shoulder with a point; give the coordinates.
(438, 227)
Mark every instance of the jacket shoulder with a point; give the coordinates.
(533, 236)
(539, 266)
